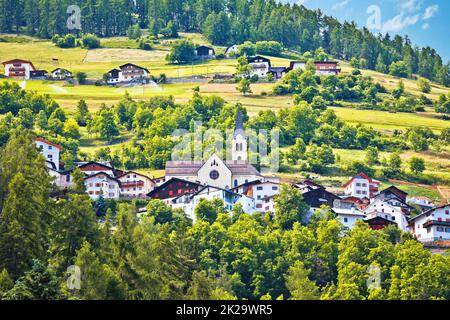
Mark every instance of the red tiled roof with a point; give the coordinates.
(362, 174)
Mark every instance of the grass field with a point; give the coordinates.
(119, 50)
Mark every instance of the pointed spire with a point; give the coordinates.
(239, 128)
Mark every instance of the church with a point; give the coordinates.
(214, 171)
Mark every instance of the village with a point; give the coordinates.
(238, 182)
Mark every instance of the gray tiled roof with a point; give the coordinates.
(192, 167)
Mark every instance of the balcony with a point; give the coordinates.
(436, 223)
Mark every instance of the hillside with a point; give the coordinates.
(119, 50)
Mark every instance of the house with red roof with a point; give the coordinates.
(19, 69)
(50, 151)
(361, 186)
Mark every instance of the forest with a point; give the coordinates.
(226, 22)
(162, 255)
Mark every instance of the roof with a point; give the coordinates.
(62, 69)
(57, 146)
(427, 213)
(252, 59)
(133, 172)
(19, 60)
(379, 219)
(251, 183)
(350, 212)
(104, 173)
(277, 69)
(396, 191)
(134, 65)
(363, 175)
(217, 188)
(170, 181)
(97, 163)
(236, 167)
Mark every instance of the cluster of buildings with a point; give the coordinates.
(25, 70)
(238, 182)
(262, 67)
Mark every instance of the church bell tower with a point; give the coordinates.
(239, 152)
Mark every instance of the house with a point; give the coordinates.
(432, 225)
(327, 68)
(315, 195)
(205, 52)
(174, 187)
(126, 73)
(268, 204)
(39, 75)
(423, 202)
(260, 66)
(61, 74)
(135, 185)
(131, 72)
(103, 185)
(216, 172)
(390, 204)
(261, 190)
(232, 51)
(361, 186)
(189, 202)
(348, 216)
(278, 72)
(18, 69)
(323, 68)
(113, 76)
(51, 152)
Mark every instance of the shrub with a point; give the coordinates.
(90, 41)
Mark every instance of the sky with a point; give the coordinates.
(426, 22)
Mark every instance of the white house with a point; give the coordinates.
(188, 202)
(260, 66)
(432, 225)
(126, 73)
(361, 186)
(50, 151)
(323, 68)
(61, 74)
(391, 211)
(102, 185)
(18, 69)
(232, 51)
(135, 185)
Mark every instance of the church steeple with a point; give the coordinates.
(239, 151)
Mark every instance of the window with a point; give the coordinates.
(50, 148)
(235, 183)
(345, 219)
(214, 175)
(259, 188)
(447, 211)
(170, 193)
(358, 184)
(440, 229)
(275, 188)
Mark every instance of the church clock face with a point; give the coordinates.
(214, 174)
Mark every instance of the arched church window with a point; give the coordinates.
(235, 182)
